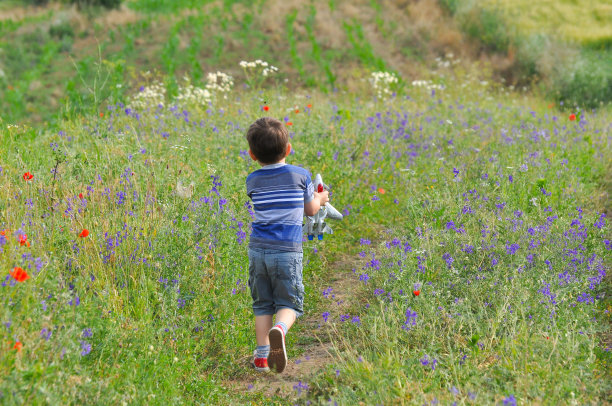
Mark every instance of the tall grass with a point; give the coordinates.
(487, 202)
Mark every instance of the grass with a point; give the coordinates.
(585, 21)
(544, 44)
(488, 202)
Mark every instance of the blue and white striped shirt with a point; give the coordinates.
(278, 192)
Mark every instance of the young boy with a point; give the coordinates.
(281, 194)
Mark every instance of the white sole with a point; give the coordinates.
(277, 360)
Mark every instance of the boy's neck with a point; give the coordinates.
(282, 161)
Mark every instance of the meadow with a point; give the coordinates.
(471, 267)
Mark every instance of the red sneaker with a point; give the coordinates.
(278, 354)
(260, 364)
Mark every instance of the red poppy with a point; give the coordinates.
(84, 233)
(81, 196)
(101, 114)
(5, 232)
(309, 106)
(19, 274)
(289, 123)
(550, 106)
(18, 346)
(266, 108)
(416, 292)
(297, 110)
(572, 117)
(27, 176)
(381, 191)
(23, 240)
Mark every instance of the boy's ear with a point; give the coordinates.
(288, 150)
(252, 155)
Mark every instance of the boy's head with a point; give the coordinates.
(268, 140)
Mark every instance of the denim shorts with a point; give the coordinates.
(275, 280)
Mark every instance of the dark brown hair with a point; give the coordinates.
(268, 139)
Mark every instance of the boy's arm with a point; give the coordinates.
(313, 206)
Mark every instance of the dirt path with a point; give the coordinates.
(316, 348)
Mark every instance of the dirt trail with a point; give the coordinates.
(318, 351)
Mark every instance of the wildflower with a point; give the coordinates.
(81, 196)
(266, 108)
(429, 361)
(309, 106)
(572, 117)
(289, 123)
(18, 346)
(27, 176)
(601, 222)
(325, 316)
(449, 260)
(410, 319)
(85, 348)
(84, 233)
(23, 240)
(381, 191)
(19, 274)
(101, 114)
(416, 292)
(510, 400)
(512, 248)
(301, 386)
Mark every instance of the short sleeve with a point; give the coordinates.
(249, 187)
(309, 191)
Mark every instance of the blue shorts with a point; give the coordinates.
(275, 280)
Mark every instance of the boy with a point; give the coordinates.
(281, 194)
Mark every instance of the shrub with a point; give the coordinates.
(61, 30)
(586, 81)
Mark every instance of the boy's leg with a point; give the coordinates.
(263, 307)
(263, 324)
(287, 317)
(288, 300)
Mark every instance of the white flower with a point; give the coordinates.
(382, 81)
(152, 95)
(219, 82)
(266, 68)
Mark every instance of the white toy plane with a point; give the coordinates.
(316, 224)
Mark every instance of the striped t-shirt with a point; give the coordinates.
(278, 192)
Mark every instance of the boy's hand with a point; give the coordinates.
(312, 207)
(323, 197)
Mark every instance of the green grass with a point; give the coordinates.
(583, 21)
(155, 278)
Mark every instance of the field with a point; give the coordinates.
(491, 204)
(472, 265)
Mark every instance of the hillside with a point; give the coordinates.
(57, 56)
